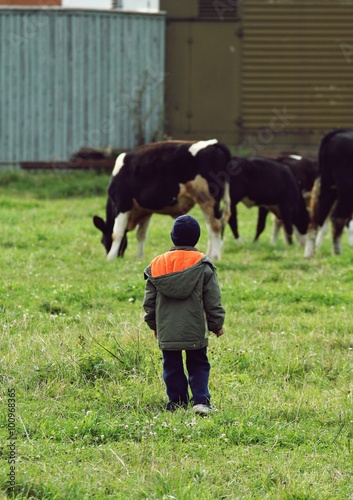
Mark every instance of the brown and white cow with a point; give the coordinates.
(167, 177)
(333, 190)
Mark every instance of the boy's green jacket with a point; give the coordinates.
(181, 306)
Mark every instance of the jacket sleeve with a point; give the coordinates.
(215, 313)
(149, 304)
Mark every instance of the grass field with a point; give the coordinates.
(81, 373)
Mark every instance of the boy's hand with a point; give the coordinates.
(220, 332)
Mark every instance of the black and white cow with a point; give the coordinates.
(333, 190)
(305, 170)
(167, 177)
(324, 228)
(271, 186)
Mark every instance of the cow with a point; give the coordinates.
(332, 194)
(167, 177)
(305, 171)
(271, 186)
(324, 228)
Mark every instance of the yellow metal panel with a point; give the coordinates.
(214, 97)
(297, 59)
(179, 8)
(202, 80)
(177, 83)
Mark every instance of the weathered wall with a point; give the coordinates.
(74, 78)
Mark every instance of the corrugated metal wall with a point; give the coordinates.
(72, 78)
(202, 70)
(202, 77)
(297, 67)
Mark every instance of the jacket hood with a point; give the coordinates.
(179, 285)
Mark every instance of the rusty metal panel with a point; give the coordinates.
(75, 78)
(296, 67)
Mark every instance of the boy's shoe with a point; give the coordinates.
(202, 410)
(172, 406)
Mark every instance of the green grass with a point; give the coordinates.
(86, 370)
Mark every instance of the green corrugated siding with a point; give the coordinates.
(73, 78)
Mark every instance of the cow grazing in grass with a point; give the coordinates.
(305, 170)
(271, 186)
(167, 177)
(333, 190)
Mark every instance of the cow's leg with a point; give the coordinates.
(214, 246)
(226, 212)
(288, 232)
(214, 228)
(350, 232)
(123, 246)
(287, 224)
(214, 217)
(342, 213)
(311, 234)
(337, 230)
(320, 207)
(119, 232)
(233, 222)
(261, 222)
(301, 238)
(276, 227)
(321, 232)
(141, 234)
(215, 242)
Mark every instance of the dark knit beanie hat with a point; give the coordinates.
(185, 231)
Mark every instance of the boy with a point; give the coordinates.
(182, 302)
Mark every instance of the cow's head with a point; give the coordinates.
(107, 239)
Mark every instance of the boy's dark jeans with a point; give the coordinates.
(198, 369)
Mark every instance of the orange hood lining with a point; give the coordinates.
(174, 261)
